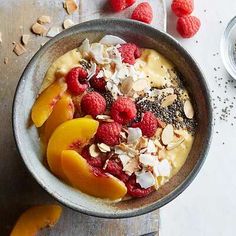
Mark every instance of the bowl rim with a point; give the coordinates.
(187, 181)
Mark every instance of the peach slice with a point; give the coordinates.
(36, 218)
(44, 104)
(72, 134)
(80, 175)
(63, 111)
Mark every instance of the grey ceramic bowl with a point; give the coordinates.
(27, 138)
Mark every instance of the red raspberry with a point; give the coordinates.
(123, 110)
(135, 190)
(76, 80)
(129, 52)
(182, 7)
(98, 84)
(115, 168)
(93, 161)
(188, 26)
(93, 104)
(109, 133)
(148, 124)
(143, 12)
(119, 5)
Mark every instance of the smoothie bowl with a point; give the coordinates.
(112, 118)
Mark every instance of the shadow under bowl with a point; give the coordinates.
(27, 138)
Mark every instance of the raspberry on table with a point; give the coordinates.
(109, 133)
(182, 7)
(98, 84)
(188, 26)
(93, 104)
(76, 80)
(123, 110)
(129, 52)
(135, 190)
(119, 5)
(115, 168)
(148, 124)
(143, 12)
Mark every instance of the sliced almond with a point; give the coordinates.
(171, 146)
(143, 142)
(168, 100)
(188, 109)
(158, 133)
(70, 6)
(68, 23)
(25, 38)
(44, 20)
(103, 117)
(53, 32)
(38, 29)
(93, 151)
(103, 147)
(123, 135)
(127, 85)
(161, 154)
(19, 49)
(140, 85)
(167, 135)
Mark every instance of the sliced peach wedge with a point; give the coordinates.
(46, 101)
(63, 111)
(81, 176)
(72, 135)
(36, 218)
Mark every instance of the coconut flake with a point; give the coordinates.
(96, 51)
(164, 168)
(145, 179)
(134, 134)
(93, 151)
(131, 167)
(111, 40)
(151, 148)
(148, 160)
(119, 151)
(92, 71)
(100, 74)
(85, 47)
(124, 159)
(53, 32)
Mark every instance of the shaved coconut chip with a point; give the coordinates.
(119, 151)
(164, 168)
(68, 23)
(151, 148)
(111, 40)
(96, 51)
(142, 143)
(134, 134)
(123, 72)
(53, 32)
(113, 89)
(92, 71)
(124, 159)
(100, 74)
(145, 179)
(103, 147)
(114, 78)
(155, 171)
(148, 160)
(107, 73)
(85, 47)
(93, 151)
(131, 167)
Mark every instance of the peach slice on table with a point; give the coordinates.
(36, 218)
(73, 135)
(63, 111)
(46, 101)
(81, 176)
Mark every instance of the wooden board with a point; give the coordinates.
(18, 190)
